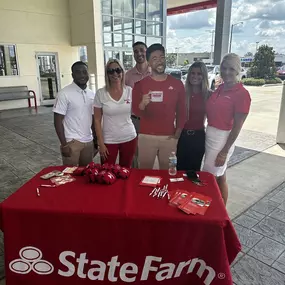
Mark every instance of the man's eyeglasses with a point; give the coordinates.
(113, 70)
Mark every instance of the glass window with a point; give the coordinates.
(118, 40)
(154, 29)
(128, 26)
(108, 55)
(106, 7)
(108, 39)
(127, 59)
(118, 23)
(154, 10)
(140, 9)
(128, 41)
(107, 24)
(123, 25)
(83, 53)
(123, 8)
(153, 40)
(139, 39)
(8, 60)
(140, 27)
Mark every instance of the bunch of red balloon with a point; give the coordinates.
(105, 173)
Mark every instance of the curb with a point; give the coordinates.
(269, 85)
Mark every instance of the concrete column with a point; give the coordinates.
(222, 35)
(86, 30)
(95, 53)
(281, 123)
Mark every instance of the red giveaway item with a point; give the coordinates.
(93, 175)
(116, 169)
(123, 173)
(106, 166)
(195, 203)
(100, 176)
(179, 197)
(91, 165)
(151, 181)
(106, 177)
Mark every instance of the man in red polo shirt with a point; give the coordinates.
(159, 101)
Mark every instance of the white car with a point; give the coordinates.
(214, 77)
(242, 74)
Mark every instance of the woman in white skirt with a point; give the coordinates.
(226, 110)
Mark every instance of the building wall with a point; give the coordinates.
(191, 57)
(36, 26)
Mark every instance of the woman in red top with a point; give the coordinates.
(191, 144)
(226, 109)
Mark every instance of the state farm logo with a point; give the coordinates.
(31, 260)
(84, 266)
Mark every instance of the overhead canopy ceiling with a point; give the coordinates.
(184, 6)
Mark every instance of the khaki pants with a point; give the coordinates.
(80, 153)
(151, 146)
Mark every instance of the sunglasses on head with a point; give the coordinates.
(113, 70)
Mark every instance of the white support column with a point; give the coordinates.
(95, 51)
(222, 34)
(281, 123)
(86, 30)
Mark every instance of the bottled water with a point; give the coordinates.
(172, 164)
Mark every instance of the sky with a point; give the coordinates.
(263, 22)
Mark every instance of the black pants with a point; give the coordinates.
(190, 150)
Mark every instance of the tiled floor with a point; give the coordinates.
(261, 231)
(29, 143)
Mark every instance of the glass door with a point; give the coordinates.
(48, 77)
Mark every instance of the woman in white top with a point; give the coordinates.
(116, 132)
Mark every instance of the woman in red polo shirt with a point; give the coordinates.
(226, 109)
(191, 144)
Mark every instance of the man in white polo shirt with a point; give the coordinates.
(73, 118)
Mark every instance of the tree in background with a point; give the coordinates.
(263, 65)
(186, 61)
(248, 54)
(171, 59)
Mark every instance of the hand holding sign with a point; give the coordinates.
(156, 96)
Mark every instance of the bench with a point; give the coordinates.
(18, 93)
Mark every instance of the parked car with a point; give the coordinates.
(243, 73)
(174, 72)
(214, 76)
(281, 72)
(185, 69)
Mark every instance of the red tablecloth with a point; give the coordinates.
(80, 233)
